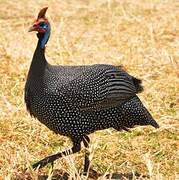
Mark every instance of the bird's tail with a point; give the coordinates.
(137, 84)
(135, 113)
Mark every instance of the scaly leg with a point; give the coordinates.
(86, 141)
(50, 159)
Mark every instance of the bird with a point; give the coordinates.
(75, 101)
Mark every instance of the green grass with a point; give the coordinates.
(140, 35)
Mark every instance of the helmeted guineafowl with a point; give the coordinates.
(75, 101)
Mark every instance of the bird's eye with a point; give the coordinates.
(42, 24)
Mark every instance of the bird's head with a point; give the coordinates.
(41, 24)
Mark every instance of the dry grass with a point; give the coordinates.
(141, 35)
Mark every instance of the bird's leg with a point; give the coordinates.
(52, 164)
(50, 159)
(86, 141)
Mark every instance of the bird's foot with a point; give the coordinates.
(92, 174)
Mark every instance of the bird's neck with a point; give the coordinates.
(39, 61)
(43, 38)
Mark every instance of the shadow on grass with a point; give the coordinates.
(62, 175)
(129, 176)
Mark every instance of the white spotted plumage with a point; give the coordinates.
(73, 101)
(77, 100)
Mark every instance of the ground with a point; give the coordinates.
(141, 35)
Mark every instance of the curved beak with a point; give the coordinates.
(32, 28)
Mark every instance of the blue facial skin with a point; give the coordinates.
(46, 36)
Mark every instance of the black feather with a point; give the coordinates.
(138, 85)
(77, 100)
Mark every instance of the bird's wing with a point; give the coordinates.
(101, 87)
